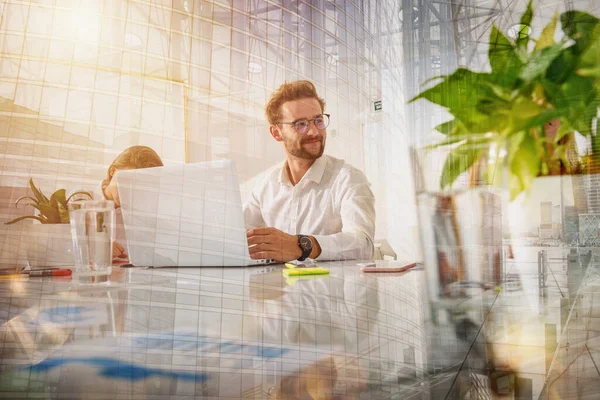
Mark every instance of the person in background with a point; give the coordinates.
(134, 157)
(312, 205)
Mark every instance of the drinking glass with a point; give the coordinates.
(93, 234)
(461, 227)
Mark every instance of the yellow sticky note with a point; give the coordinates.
(305, 271)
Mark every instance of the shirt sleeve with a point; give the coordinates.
(355, 241)
(252, 213)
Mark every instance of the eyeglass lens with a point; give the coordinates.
(321, 122)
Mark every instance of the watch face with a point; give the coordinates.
(305, 243)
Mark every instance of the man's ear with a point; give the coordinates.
(276, 133)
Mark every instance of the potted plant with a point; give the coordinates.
(538, 94)
(47, 243)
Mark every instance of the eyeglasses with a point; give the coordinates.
(301, 125)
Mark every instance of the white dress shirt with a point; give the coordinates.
(332, 202)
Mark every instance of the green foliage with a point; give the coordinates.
(53, 210)
(532, 82)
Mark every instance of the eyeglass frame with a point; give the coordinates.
(308, 123)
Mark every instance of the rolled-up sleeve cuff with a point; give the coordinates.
(328, 247)
(345, 246)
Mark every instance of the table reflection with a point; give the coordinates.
(253, 333)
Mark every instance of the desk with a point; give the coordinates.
(251, 333)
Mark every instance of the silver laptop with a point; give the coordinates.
(187, 215)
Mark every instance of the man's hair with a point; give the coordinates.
(290, 91)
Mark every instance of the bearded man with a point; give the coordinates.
(312, 205)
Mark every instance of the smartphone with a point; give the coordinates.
(402, 268)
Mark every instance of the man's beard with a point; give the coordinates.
(296, 149)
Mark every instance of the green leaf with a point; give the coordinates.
(580, 27)
(584, 29)
(554, 95)
(495, 168)
(43, 221)
(451, 139)
(590, 56)
(562, 66)
(539, 61)
(546, 38)
(58, 201)
(524, 165)
(583, 119)
(35, 202)
(446, 127)
(527, 123)
(503, 93)
(589, 71)
(58, 197)
(564, 130)
(38, 194)
(579, 101)
(504, 60)
(514, 141)
(433, 78)
(467, 139)
(515, 186)
(76, 193)
(50, 213)
(463, 93)
(524, 107)
(493, 105)
(458, 161)
(455, 91)
(523, 39)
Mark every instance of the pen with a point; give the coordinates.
(37, 273)
(23, 270)
(53, 272)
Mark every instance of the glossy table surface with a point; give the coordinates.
(231, 333)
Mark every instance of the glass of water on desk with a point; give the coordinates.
(461, 225)
(93, 233)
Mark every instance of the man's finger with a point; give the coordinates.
(258, 248)
(258, 239)
(260, 231)
(264, 255)
(263, 247)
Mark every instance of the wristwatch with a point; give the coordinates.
(305, 245)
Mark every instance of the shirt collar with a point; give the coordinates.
(283, 175)
(314, 173)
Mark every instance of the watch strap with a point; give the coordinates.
(305, 252)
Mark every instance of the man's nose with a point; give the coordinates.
(312, 129)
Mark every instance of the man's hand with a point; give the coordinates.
(119, 251)
(271, 243)
(112, 193)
